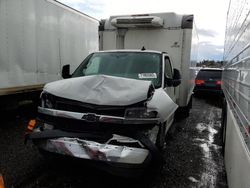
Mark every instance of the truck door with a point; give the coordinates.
(168, 73)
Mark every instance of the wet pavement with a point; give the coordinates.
(192, 156)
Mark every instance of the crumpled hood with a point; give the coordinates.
(101, 90)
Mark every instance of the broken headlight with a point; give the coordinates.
(139, 113)
(46, 100)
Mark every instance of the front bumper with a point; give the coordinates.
(92, 150)
(96, 118)
(97, 137)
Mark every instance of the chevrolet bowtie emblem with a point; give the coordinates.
(90, 117)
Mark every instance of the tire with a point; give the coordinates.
(186, 109)
(160, 141)
(183, 112)
(223, 125)
(190, 103)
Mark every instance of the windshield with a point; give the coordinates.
(142, 66)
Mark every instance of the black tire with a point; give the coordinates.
(223, 125)
(186, 110)
(190, 103)
(183, 112)
(160, 141)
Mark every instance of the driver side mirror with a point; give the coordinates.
(66, 71)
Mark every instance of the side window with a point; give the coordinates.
(168, 68)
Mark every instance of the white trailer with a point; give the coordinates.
(236, 87)
(165, 32)
(37, 37)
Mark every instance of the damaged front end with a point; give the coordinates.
(117, 134)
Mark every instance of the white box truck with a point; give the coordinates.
(164, 32)
(118, 104)
(236, 87)
(37, 37)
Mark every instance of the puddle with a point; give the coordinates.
(209, 174)
(206, 150)
(201, 127)
(193, 179)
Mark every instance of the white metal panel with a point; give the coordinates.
(109, 40)
(237, 159)
(48, 67)
(188, 65)
(38, 37)
(75, 46)
(4, 61)
(29, 71)
(237, 29)
(236, 87)
(163, 40)
(236, 74)
(14, 32)
(185, 88)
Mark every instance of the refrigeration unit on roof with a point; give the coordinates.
(137, 21)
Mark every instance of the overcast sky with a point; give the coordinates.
(209, 15)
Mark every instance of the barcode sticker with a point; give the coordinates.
(147, 75)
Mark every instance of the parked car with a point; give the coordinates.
(208, 80)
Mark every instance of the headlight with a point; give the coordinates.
(139, 113)
(46, 100)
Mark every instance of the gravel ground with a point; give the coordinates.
(192, 156)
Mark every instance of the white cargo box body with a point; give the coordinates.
(236, 87)
(165, 32)
(38, 37)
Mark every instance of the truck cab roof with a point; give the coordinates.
(132, 50)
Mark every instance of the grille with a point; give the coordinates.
(78, 107)
(60, 103)
(75, 125)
